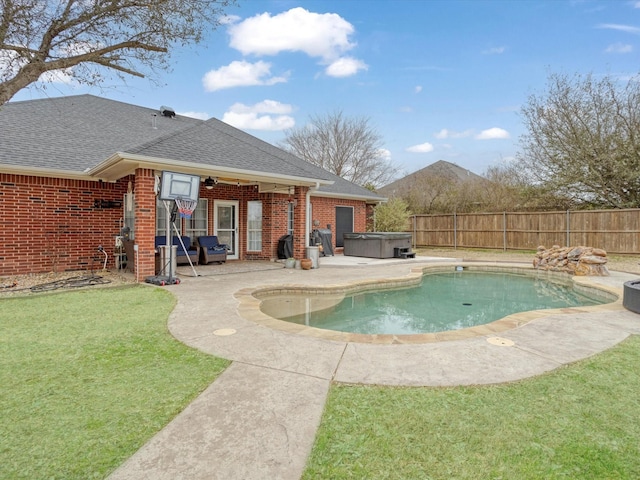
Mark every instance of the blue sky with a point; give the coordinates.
(438, 80)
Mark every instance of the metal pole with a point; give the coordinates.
(168, 271)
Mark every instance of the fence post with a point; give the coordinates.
(415, 241)
(504, 231)
(568, 229)
(455, 231)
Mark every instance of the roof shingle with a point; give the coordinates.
(77, 133)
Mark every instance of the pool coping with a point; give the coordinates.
(250, 299)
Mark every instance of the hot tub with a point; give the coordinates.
(377, 244)
(631, 296)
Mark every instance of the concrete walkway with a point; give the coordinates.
(259, 418)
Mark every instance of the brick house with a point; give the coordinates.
(76, 171)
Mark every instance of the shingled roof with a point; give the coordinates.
(85, 135)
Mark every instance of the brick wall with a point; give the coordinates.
(324, 211)
(145, 222)
(275, 209)
(53, 225)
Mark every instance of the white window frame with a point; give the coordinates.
(161, 215)
(129, 216)
(198, 224)
(254, 226)
(290, 218)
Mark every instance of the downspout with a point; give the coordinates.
(307, 213)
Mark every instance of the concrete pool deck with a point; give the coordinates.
(259, 418)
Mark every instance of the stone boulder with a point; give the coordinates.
(582, 261)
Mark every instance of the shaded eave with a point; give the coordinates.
(372, 199)
(122, 164)
(45, 172)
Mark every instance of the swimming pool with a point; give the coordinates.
(440, 302)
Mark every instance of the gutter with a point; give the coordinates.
(365, 198)
(143, 161)
(47, 173)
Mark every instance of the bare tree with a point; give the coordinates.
(86, 40)
(583, 140)
(347, 146)
(431, 193)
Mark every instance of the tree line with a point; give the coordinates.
(580, 150)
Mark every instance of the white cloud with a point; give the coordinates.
(621, 28)
(444, 133)
(345, 67)
(494, 51)
(619, 48)
(266, 106)
(384, 154)
(422, 148)
(323, 35)
(198, 115)
(492, 134)
(240, 74)
(636, 4)
(266, 115)
(418, 89)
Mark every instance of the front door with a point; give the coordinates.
(226, 225)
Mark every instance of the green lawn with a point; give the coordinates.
(580, 422)
(87, 377)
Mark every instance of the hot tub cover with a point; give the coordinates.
(377, 235)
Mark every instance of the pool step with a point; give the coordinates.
(404, 253)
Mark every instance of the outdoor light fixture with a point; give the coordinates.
(209, 183)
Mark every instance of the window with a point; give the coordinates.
(290, 218)
(254, 226)
(194, 226)
(129, 215)
(197, 224)
(161, 215)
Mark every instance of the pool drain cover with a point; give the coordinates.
(501, 342)
(224, 332)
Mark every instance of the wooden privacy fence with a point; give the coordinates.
(616, 231)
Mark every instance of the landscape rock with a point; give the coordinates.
(580, 260)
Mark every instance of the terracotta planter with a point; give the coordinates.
(306, 264)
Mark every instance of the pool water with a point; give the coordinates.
(442, 302)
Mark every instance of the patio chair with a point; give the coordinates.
(211, 250)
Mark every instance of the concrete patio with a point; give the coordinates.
(258, 419)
